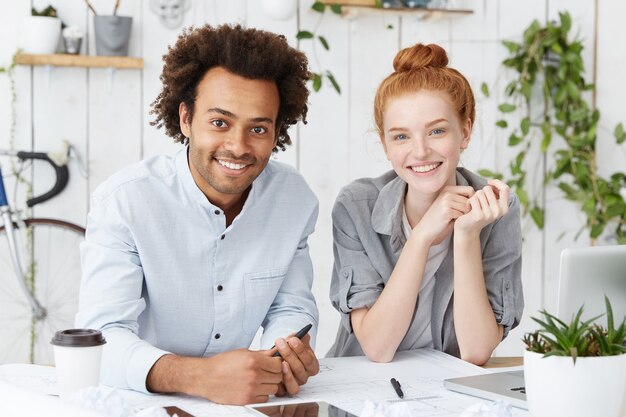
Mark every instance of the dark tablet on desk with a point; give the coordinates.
(507, 386)
(308, 409)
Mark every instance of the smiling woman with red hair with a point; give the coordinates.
(429, 254)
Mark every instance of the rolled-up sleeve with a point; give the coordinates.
(111, 298)
(502, 268)
(355, 282)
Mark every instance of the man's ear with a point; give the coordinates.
(467, 134)
(185, 119)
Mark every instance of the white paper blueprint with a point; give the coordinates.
(346, 382)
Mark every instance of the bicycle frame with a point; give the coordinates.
(39, 312)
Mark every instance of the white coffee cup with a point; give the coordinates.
(77, 354)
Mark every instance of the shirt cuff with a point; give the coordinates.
(127, 359)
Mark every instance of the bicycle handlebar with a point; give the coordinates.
(61, 172)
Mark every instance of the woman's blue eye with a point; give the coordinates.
(400, 137)
(437, 131)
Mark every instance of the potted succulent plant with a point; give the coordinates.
(112, 32)
(40, 32)
(576, 369)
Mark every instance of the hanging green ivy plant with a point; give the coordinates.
(550, 73)
(318, 77)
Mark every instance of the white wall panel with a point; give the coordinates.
(104, 113)
(380, 33)
(323, 149)
(116, 119)
(513, 18)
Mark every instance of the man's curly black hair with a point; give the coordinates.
(249, 53)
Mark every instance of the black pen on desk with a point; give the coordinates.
(396, 386)
(300, 334)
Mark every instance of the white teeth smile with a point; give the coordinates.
(231, 165)
(425, 168)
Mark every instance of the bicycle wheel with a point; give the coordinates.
(49, 252)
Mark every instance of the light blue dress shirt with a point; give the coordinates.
(162, 272)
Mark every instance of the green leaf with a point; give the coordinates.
(336, 8)
(511, 46)
(317, 82)
(523, 196)
(318, 6)
(502, 123)
(304, 34)
(324, 42)
(490, 174)
(545, 142)
(525, 125)
(596, 230)
(526, 90)
(566, 21)
(537, 215)
(615, 209)
(485, 89)
(620, 135)
(572, 90)
(333, 81)
(514, 139)
(507, 108)
(569, 191)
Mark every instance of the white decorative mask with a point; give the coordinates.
(171, 12)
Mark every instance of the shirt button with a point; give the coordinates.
(220, 288)
(222, 237)
(217, 335)
(217, 212)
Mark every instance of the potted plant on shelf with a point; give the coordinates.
(40, 32)
(112, 32)
(576, 369)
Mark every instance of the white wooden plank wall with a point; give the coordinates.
(104, 113)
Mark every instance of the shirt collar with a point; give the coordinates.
(192, 189)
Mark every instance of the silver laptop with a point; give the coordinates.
(507, 386)
(586, 275)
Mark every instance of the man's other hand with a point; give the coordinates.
(299, 363)
(236, 377)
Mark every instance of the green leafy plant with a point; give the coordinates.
(318, 77)
(549, 74)
(48, 12)
(578, 338)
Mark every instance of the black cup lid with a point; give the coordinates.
(78, 338)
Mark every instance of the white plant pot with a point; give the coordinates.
(40, 34)
(555, 386)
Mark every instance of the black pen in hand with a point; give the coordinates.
(301, 333)
(396, 386)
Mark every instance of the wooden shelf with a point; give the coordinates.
(88, 61)
(354, 9)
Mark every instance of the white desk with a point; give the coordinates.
(346, 382)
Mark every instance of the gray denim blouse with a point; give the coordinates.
(368, 239)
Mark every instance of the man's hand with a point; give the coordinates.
(299, 363)
(236, 377)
